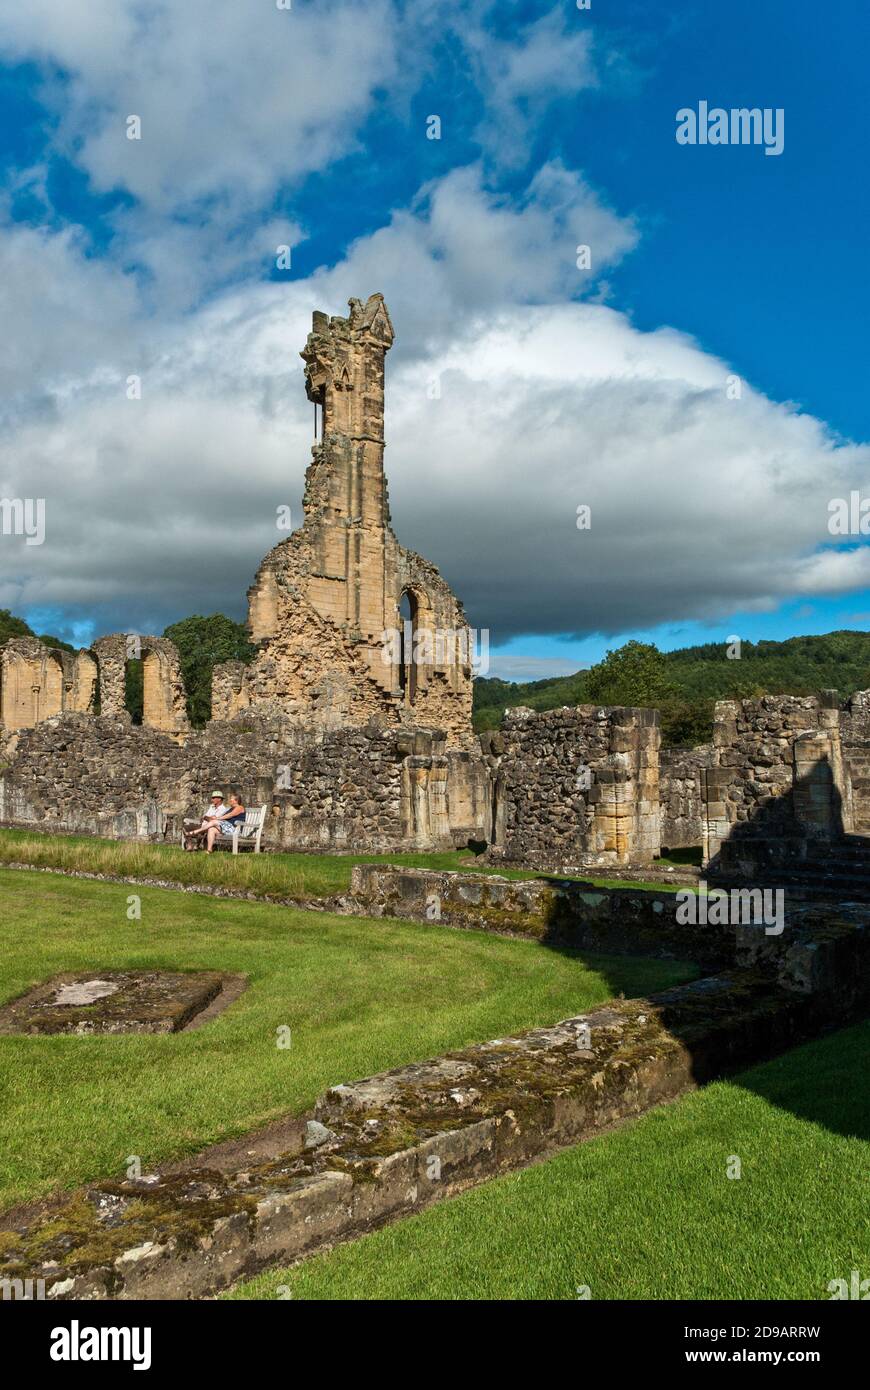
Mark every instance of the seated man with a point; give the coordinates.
(225, 824)
(209, 816)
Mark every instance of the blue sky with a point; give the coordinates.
(556, 124)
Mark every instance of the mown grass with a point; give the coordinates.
(268, 875)
(358, 996)
(648, 1212)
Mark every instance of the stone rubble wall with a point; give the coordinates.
(681, 795)
(578, 786)
(855, 739)
(777, 781)
(365, 789)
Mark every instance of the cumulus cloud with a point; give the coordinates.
(461, 251)
(514, 394)
(161, 506)
(239, 103)
(233, 98)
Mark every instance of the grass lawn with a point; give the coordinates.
(359, 997)
(269, 875)
(648, 1212)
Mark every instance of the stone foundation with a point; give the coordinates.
(125, 1001)
(393, 1144)
(608, 921)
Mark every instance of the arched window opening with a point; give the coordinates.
(407, 665)
(134, 688)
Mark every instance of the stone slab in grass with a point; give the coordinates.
(114, 1001)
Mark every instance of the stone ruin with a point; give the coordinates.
(39, 682)
(353, 721)
(323, 601)
(119, 1001)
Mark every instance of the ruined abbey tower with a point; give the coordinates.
(353, 629)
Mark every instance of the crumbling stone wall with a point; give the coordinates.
(347, 789)
(777, 781)
(681, 795)
(111, 657)
(855, 740)
(164, 697)
(81, 691)
(325, 603)
(31, 682)
(578, 786)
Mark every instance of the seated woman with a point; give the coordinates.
(209, 816)
(227, 823)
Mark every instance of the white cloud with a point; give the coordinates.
(553, 57)
(462, 251)
(239, 102)
(233, 98)
(157, 508)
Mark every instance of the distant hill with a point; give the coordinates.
(683, 684)
(689, 681)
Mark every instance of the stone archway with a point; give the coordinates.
(418, 642)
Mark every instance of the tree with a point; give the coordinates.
(51, 641)
(10, 626)
(636, 674)
(202, 643)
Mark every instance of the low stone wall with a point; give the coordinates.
(608, 921)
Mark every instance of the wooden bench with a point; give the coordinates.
(247, 835)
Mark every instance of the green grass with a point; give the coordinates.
(359, 997)
(648, 1212)
(269, 875)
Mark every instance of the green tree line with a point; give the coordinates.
(683, 684)
(686, 683)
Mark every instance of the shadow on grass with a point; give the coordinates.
(808, 1081)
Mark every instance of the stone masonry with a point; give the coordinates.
(578, 786)
(325, 604)
(778, 783)
(353, 722)
(344, 789)
(681, 794)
